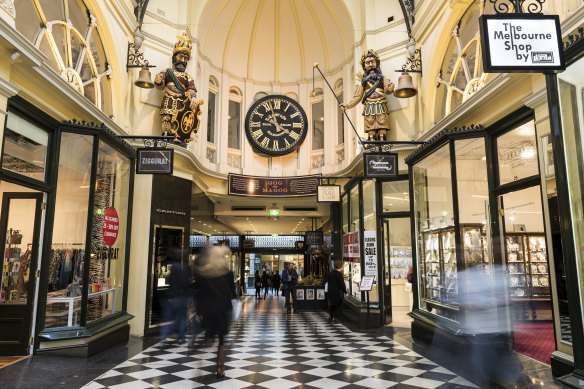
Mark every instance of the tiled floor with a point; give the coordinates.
(271, 349)
(268, 349)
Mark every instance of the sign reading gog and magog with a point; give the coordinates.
(521, 43)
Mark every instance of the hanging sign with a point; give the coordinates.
(329, 194)
(313, 237)
(370, 250)
(380, 165)
(111, 225)
(351, 247)
(521, 43)
(154, 161)
(299, 186)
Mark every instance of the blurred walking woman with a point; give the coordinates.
(216, 290)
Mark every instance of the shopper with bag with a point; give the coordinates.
(215, 294)
(336, 291)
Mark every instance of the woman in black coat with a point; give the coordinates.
(336, 291)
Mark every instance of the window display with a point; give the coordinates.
(527, 267)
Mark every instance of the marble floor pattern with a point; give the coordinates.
(271, 349)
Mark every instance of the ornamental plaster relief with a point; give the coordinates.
(8, 6)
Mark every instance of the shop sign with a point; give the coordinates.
(521, 43)
(254, 186)
(370, 250)
(380, 165)
(111, 225)
(313, 237)
(155, 161)
(351, 247)
(366, 283)
(329, 193)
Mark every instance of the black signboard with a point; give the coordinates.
(383, 165)
(155, 161)
(313, 237)
(272, 186)
(521, 43)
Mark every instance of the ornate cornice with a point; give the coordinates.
(439, 137)
(574, 37)
(7, 89)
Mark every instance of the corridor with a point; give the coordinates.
(270, 349)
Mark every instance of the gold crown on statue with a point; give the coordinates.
(370, 53)
(184, 44)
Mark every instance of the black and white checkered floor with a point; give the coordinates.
(270, 349)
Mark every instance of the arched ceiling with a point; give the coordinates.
(275, 40)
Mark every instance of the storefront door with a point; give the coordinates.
(526, 262)
(397, 252)
(20, 223)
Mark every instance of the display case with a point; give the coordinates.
(527, 266)
(401, 260)
(64, 311)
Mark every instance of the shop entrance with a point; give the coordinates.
(528, 279)
(397, 254)
(271, 264)
(20, 224)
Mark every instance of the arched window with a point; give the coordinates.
(212, 109)
(69, 37)
(259, 95)
(461, 74)
(317, 113)
(292, 95)
(340, 115)
(234, 119)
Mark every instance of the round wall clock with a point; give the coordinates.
(275, 125)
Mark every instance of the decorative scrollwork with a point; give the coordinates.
(413, 63)
(408, 7)
(574, 37)
(136, 58)
(518, 6)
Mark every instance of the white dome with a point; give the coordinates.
(275, 40)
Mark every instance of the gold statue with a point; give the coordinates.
(180, 110)
(371, 92)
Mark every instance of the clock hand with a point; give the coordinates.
(278, 127)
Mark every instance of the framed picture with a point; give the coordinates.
(300, 294)
(320, 294)
(310, 294)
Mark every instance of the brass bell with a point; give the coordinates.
(144, 79)
(405, 87)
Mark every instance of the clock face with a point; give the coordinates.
(275, 125)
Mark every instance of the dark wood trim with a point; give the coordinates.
(128, 236)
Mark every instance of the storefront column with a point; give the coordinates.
(138, 280)
(572, 282)
(7, 90)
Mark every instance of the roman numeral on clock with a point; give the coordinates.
(295, 135)
(265, 142)
(276, 145)
(256, 134)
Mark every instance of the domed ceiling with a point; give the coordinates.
(275, 41)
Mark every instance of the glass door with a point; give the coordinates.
(397, 260)
(19, 235)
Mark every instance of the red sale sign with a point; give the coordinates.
(111, 225)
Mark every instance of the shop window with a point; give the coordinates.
(67, 258)
(345, 205)
(25, 148)
(69, 37)
(396, 196)
(433, 206)
(211, 117)
(110, 215)
(517, 154)
(461, 74)
(317, 125)
(354, 226)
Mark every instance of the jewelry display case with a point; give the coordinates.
(527, 266)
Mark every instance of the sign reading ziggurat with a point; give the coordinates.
(300, 186)
(521, 43)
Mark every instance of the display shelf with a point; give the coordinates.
(73, 306)
(400, 261)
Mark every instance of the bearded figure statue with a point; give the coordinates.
(180, 109)
(372, 93)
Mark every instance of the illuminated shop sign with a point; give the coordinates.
(522, 43)
(300, 186)
(380, 165)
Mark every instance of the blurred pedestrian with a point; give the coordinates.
(216, 290)
(258, 284)
(265, 283)
(336, 291)
(179, 291)
(276, 283)
(289, 281)
(482, 296)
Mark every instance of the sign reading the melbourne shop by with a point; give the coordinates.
(380, 165)
(272, 186)
(370, 248)
(155, 161)
(522, 43)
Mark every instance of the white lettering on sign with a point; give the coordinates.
(370, 249)
(528, 43)
(154, 161)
